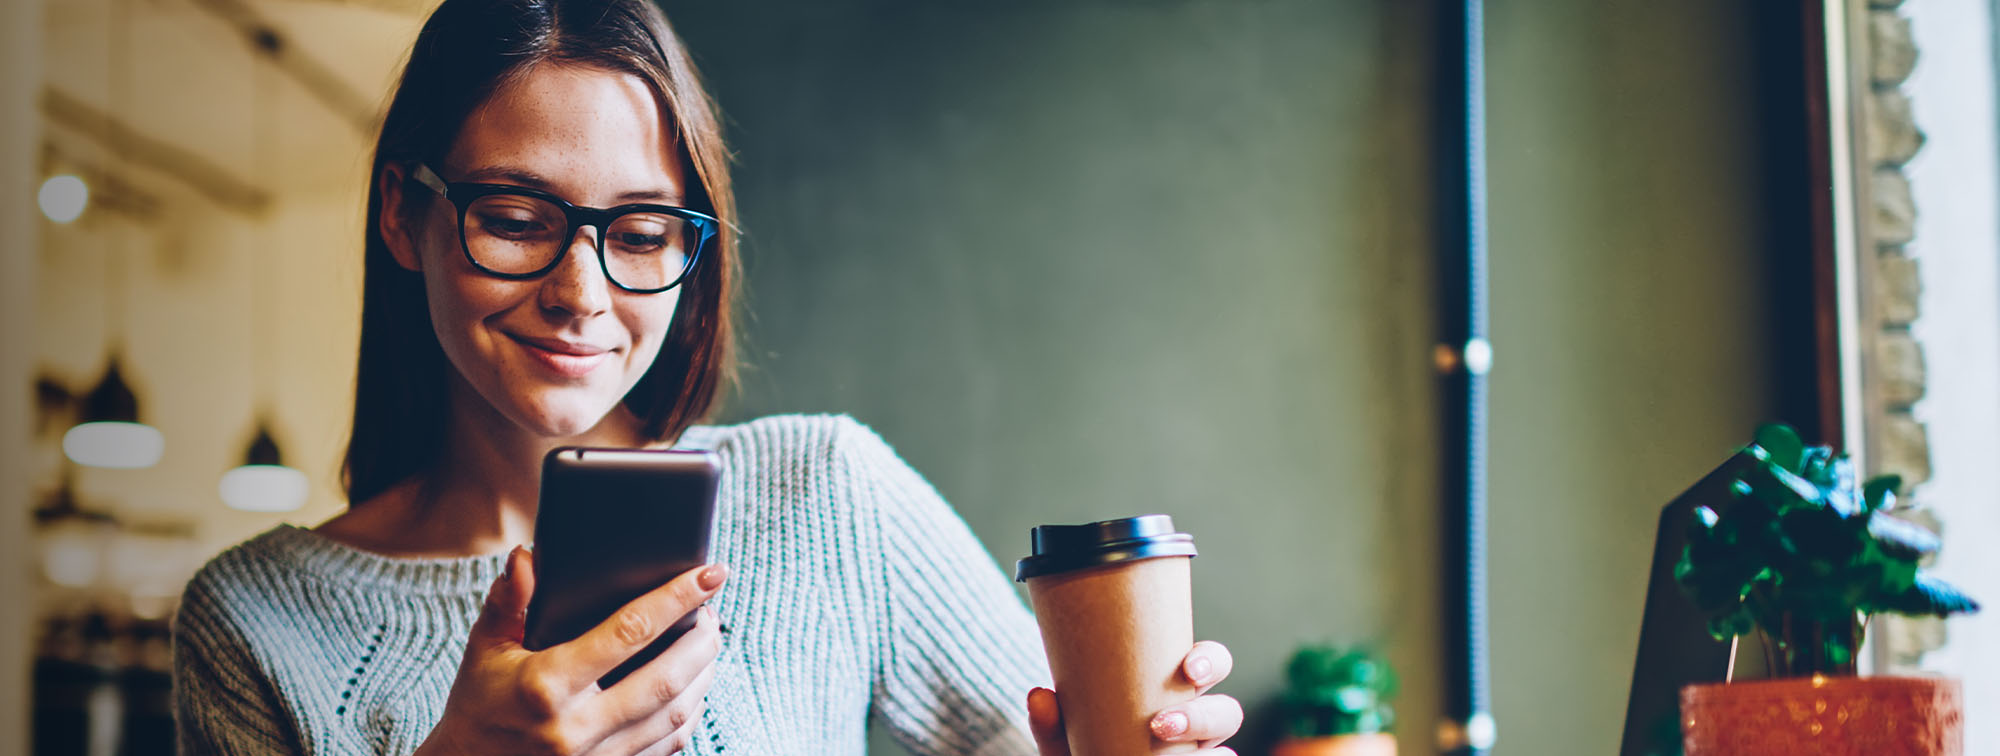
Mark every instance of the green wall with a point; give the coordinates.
(1092, 258)
(1633, 347)
(1627, 238)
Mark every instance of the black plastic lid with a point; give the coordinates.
(1062, 548)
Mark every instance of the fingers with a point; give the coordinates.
(632, 627)
(1045, 721)
(669, 728)
(672, 744)
(1206, 720)
(502, 620)
(677, 673)
(1207, 664)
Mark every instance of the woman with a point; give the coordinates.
(503, 316)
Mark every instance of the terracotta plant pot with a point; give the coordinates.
(1828, 716)
(1372, 744)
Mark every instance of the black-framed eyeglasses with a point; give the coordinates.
(515, 232)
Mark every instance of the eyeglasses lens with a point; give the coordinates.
(519, 235)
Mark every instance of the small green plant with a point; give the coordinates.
(1803, 553)
(1335, 691)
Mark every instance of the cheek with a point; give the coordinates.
(461, 300)
(474, 297)
(458, 293)
(437, 239)
(648, 322)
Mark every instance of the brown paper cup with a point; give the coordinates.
(1116, 636)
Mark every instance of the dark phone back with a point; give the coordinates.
(612, 525)
(1675, 649)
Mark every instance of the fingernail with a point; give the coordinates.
(711, 578)
(1169, 725)
(507, 567)
(1199, 669)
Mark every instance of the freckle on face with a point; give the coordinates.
(593, 136)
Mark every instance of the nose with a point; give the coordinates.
(577, 286)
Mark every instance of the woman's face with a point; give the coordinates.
(557, 353)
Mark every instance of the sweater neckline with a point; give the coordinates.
(331, 559)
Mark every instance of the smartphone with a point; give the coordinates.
(613, 524)
(1675, 649)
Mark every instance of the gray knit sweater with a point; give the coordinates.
(855, 591)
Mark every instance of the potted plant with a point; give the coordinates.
(1802, 556)
(1336, 703)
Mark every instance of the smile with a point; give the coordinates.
(564, 359)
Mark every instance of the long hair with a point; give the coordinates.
(466, 51)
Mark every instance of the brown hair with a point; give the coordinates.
(466, 51)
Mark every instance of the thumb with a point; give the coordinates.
(1045, 720)
(503, 620)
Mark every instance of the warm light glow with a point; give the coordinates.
(149, 568)
(72, 555)
(265, 488)
(152, 607)
(63, 198)
(127, 446)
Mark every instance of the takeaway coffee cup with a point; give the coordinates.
(1116, 610)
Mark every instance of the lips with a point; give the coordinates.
(566, 359)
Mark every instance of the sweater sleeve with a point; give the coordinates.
(222, 704)
(958, 651)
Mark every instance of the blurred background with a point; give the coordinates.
(1075, 259)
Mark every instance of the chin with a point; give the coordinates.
(561, 417)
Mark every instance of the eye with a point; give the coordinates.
(633, 242)
(522, 227)
(644, 234)
(514, 218)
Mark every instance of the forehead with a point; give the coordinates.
(586, 129)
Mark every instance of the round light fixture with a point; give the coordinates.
(72, 540)
(264, 488)
(117, 445)
(263, 483)
(111, 434)
(63, 198)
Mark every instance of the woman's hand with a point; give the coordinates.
(509, 700)
(1205, 721)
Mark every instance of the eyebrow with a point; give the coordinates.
(533, 180)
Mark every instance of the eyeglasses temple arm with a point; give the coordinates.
(424, 175)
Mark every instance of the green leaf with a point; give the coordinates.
(1363, 671)
(1368, 722)
(1732, 624)
(1354, 699)
(1818, 466)
(1706, 518)
(1838, 651)
(1895, 577)
(1900, 538)
(1880, 492)
(1821, 537)
(1334, 691)
(1931, 596)
(1783, 445)
(1778, 488)
(1801, 540)
(1843, 473)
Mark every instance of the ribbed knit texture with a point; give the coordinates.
(855, 590)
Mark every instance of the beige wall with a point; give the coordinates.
(207, 291)
(20, 72)
(191, 319)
